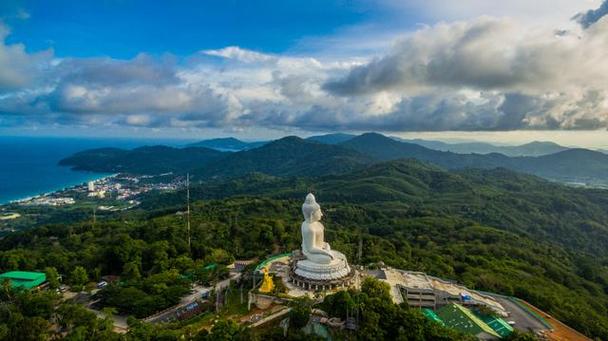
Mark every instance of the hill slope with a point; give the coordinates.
(228, 144)
(573, 165)
(143, 160)
(331, 138)
(289, 156)
(535, 148)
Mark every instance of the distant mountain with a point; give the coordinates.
(573, 165)
(228, 144)
(288, 156)
(143, 160)
(291, 156)
(535, 148)
(331, 138)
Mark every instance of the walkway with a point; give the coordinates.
(271, 317)
(523, 320)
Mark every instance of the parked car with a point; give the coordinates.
(102, 284)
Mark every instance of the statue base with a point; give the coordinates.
(314, 276)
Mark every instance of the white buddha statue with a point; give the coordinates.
(321, 261)
(314, 246)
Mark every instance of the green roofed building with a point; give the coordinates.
(460, 318)
(23, 279)
(499, 325)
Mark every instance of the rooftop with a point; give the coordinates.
(24, 279)
(460, 318)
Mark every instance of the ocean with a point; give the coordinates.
(29, 165)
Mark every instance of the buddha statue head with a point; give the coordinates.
(311, 210)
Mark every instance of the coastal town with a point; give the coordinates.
(119, 187)
(117, 192)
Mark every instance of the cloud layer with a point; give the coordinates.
(481, 74)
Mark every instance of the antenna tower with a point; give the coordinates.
(188, 211)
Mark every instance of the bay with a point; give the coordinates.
(29, 165)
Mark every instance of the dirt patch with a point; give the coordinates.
(560, 332)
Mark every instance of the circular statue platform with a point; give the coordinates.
(310, 276)
(316, 266)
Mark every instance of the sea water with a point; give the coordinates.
(29, 165)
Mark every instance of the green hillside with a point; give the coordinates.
(143, 160)
(572, 217)
(289, 156)
(230, 144)
(535, 148)
(573, 165)
(331, 138)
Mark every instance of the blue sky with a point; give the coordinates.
(123, 29)
(271, 68)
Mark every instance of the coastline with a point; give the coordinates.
(59, 188)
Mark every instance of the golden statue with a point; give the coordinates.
(267, 284)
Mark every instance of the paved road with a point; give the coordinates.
(120, 322)
(197, 293)
(234, 276)
(271, 317)
(523, 320)
(199, 290)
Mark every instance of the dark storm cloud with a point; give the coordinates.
(590, 17)
(484, 54)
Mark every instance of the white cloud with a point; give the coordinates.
(477, 74)
(559, 80)
(239, 54)
(17, 67)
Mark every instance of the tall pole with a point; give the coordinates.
(188, 211)
(360, 248)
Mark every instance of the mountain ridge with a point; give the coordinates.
(143, 160)
(534, 148)
(288, 156)
(227, 144)
(570, 165)
(292, 155)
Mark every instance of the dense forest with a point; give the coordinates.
(492, 230)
